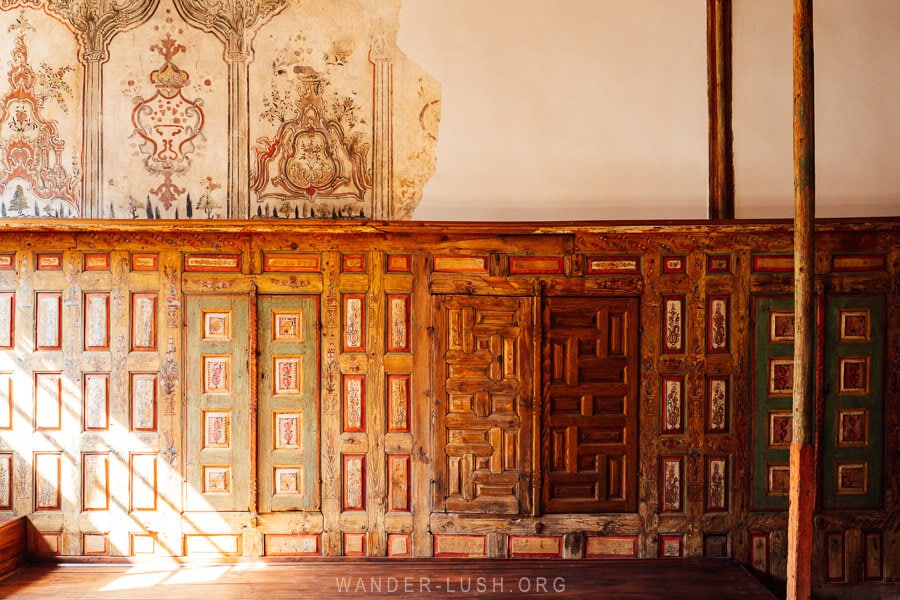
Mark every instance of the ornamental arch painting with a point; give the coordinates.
(195, 109)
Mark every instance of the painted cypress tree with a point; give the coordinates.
(189, 208)
(149, 208)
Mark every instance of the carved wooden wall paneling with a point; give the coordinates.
(386, 390)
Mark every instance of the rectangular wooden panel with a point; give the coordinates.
(48, 321)
(144, 388)
(47, 479)
(460, 546)
(291, 263)
(143, 322)
(7, 400)
(7, 320)
(673, 322)
(354, 413)
(96, 401)
(294, 544)
(611, 546)
(95, 481)
(534, 546)
(398, 320)
(353, 482)
(96, 321)
(398, 405)
(144, 489)
(48, 401)
(399, 484)
(213, 263)
(6, 481)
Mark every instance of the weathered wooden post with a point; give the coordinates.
(802, 487)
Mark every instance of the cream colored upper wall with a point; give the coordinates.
(597, 109)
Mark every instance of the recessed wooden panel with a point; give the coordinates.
(291, 544)
(50, 261)
(6, 481)
(536, 265)
(217, 479)
(222, 544)
(145, 261)
(287, 375)
(611, 546)
(47, 479)
(96, 321)
(48, 321)
(858, 262)
(353, 263)
(671, 546)
(398, 391)
(773, 263)
(460, 546)
(535, 546)
(95, 481)
(143, 322)
(718, 324)
(96, 401)
(213, 263)
(353, 478)
(95, 544)
(291, 263)
(759, 552)
(399, 544)
(144, 388)
(7, 320)
(47, 543)
(398, 322)
(7, 400)
(287, 480)
(217, 374)
(48, 401)
(143, 544)
(96, 261)
(143, 470)
(718, 404)
(354, 413)
(354, 544)
(354, 315)
(873, 556)
(399, 485)
(673, 320)
(216, 429)
(834, 557)
(460, 264)
(8, 261)
(399, 263)
(717, 484)
(672, 387)
(718, 264)
(671, 494)
(613, 265)
(217, 325)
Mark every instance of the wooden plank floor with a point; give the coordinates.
(332, 579)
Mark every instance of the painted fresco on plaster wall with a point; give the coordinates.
(40, 105)
(311, 115)
(165, 140)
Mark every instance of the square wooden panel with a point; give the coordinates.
(6, 481)
(287, 480)
(398, 323)
(834, 557)
(778, 479)
(354, 482)
(781, 326)
(143, 401)
(216, 374)
(672, 265)
(96, 261)
(855, 325)
(717, 484)
(142, 544)
(48, 321)
(673, 318)
(288, 375)
(718, 324)
(287, 430)
(873, 556)
(216, 429)
(7, 320)
(47, 474)
(853, 374)
(399, 263)
(354, 336)
(217, 326)
(398, 390)
(7, 400)
(781, 377)
(95, 481)
(671, 545)
(852, 478)
(671, 488)
(143, 469)
(287, 326)
(399, 544)
(48, 401)
(216, 479)
(95, 544)
(780, 428)
(96, 401)
(8, 261)
(399, 485)
(759, 552)
(47, 543)
(852, 428)
(354, 405)
(718, 263)
(718, 404)
(96, 321)
(143, 322)
(672, 388)
(354, 544)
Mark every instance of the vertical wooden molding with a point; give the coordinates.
(721, 155)
(376, 467)
(421, 407)
(537, 413)
(802, 453)
(380, 56)
(253, 392)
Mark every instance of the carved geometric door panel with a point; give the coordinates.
(217, 402)
(484, 375)
(288, 397)
(590, 399)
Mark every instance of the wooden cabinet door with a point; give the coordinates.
(484, 367)
(589, 436)
(287, 388)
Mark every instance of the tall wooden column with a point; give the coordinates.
(802, 488)
(721, 155)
